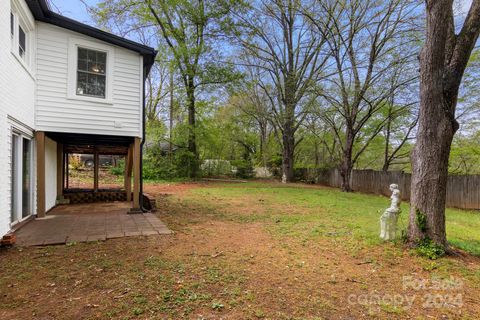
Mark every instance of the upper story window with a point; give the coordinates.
(22, 27)
(22, 42)
(90, 70)
(91, 73)
(12, 25)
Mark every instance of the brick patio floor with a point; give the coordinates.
(88, 222)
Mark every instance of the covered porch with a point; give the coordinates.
(56, 153)
(72, 212)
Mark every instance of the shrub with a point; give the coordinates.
(244, 168)
(183, 160)
(74, 162)
(428, 249)
(119, 169)
(158, 168)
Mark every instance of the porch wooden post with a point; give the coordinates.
(59, 169)
(95, 170)
(128, 173)
(67, 173)
(136, 174)
(40, 140)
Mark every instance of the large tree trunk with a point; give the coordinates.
(434, 137)
(288, 155)
(192, 143)
(430, 169)
(346, 173)
(347, 165)
(442, 63)
(263, 143)
(288, 135)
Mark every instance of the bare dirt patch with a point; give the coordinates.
(173, 188)
(330, 278)
(219, 267)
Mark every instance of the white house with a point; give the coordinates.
(64, 87)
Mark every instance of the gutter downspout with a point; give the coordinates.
(143, 142)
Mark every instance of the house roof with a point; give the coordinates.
(42, 12)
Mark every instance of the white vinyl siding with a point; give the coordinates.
(22, 35)
(17, 88)
(51, 173)
(59, 111)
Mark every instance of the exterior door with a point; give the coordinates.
(14, 179)
(26, 178)
(22, 179)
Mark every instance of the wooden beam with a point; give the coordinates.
(95, 171)
(136, 174)
(40, 140)
(59, 169)
(128, 172)
(67, 173)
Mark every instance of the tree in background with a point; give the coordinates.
(368, 41)
(280, 41)
(192, 32)
(353, 74)
(468, 109)
(252, 101)
(401, 116)
(319, 145)
(443, 60)
(190, 28)
(157, 89)
(465, 153)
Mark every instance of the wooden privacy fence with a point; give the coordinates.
(462, 191)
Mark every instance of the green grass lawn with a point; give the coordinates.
(256, 250)
(310, 211)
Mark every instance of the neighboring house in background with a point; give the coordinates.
(65, 87)
(162, 147)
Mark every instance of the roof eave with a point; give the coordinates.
(42, 12)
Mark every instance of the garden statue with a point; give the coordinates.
(389, 219)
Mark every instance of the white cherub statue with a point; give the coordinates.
(389, 219)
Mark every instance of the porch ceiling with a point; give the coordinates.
(89, 143)
(90, 149)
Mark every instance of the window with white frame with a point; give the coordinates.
(21, 29)
(91, 72)
(12, 25)
(22, 42)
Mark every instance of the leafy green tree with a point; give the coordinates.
(254, 110)
(190, 28)
(468, 109)
(192, 32)
(465, 154)
(318, 148)
(280, 41)
(368, 40)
